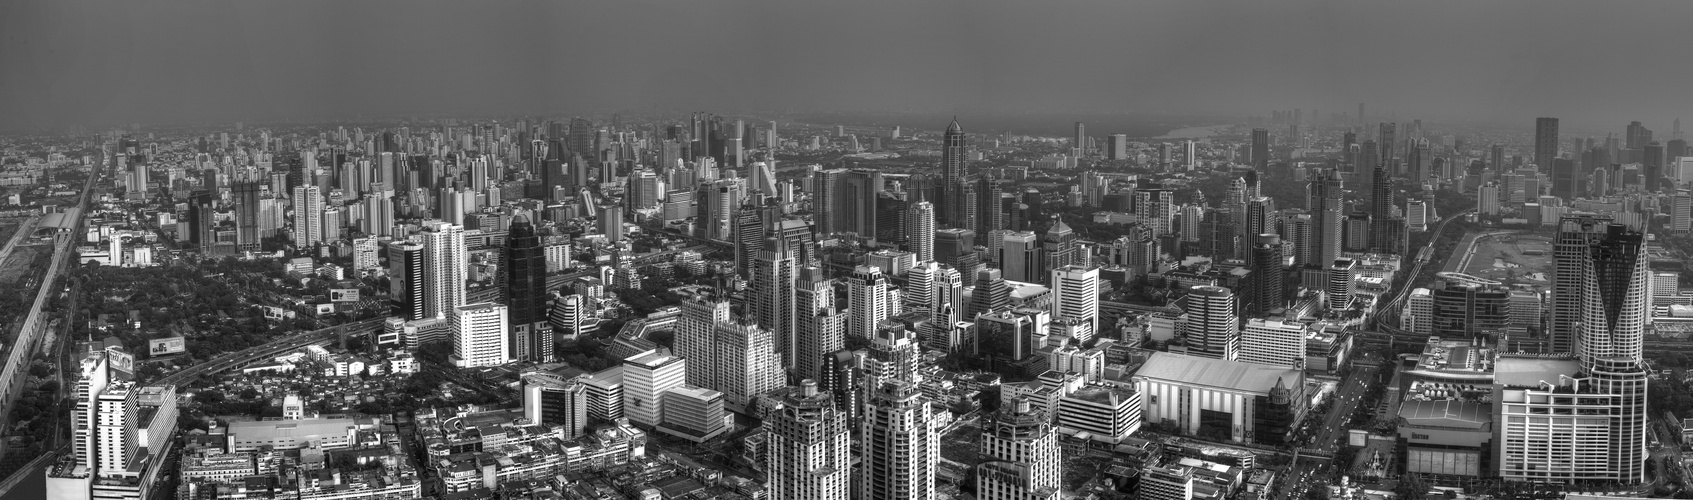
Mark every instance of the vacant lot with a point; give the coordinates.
(1526, 257)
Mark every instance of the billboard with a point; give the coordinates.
(343, 295)
(166, 346)
(120, 360)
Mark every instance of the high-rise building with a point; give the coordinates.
(308, 217)
(950, 202)
(246, 196)
(1019, 256)
(747, 363)
(1325, 200)
(1273, 342)
(820, 325)
(479, 335)
(1463, 308)
(1117, 147)
(921, 221)
(1577, 232)
(446, 261)
(646, 377)
(1260, 149)
(1081, 141)
(867, 301)
(989, 215)
(1266, 265)
(771, 297)
(553, 400)
(901, 444)
(1075, 291)
(1213, 326)
(1636, 136)
(1381, 193)
(1170, 483)
(1019, 455)
(526, 293)
(696, 335)
(1387, 138)
(809, 452)
(1545, 142)
(407, 280)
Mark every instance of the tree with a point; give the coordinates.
(1411, 486)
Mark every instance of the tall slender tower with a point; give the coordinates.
(407, 282)
(952, 175)
(445, 258)
(526, 293)
(1576, 235)
(1075, 290)
(1019, 455)
(772, 297)
(696, 336)
(1614, 307)
(1325, 200)
(820, 324)
(921, 222)
(1545, 143)
(900, 443)
(989, 216)
(1213, 325)
(810, 447)
(867, 297)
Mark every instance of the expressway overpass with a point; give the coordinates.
(271, 349)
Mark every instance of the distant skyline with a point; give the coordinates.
(1591, 64)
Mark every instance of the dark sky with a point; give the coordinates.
(1588, 62)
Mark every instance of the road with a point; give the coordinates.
(270, 349)
(1391, 308)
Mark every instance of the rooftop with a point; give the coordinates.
(1231, 375)
(1531, 371)
(1447, 413)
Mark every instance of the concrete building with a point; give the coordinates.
(646, 377)
(810, 447)
(1273, 342)
(479, 335)
(1221, 399)
(1019, 455)
(1098, 412)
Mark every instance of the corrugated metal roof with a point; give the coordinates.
(1232, 375)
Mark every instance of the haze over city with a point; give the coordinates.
(1593, 63)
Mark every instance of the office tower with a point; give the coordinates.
(1381, 193)
(526, 293)
(646, 377)
(747, 363)
(479, 335)
(1387, 138)
(1325, 200)
(1419, 159)
(407, 280)
(1018, 256)
(1117, 147)
(1261, 217)
(954, 246)
(771, 297)
(1675, 148)
(809, 452)
(1058, 249)
(1340, 283)
(1213, 325)
(1576, 234)
(989, 215)
(1545, 142)
(1266, 265)
(555, 401)
(820, 324)
(1260, 148)
(308, 217)
(610, 220)
(445, 260)
(582, 138)
(1651, 166)
(921, 222)
(1019, 455)
(1636, 136)
(946, 303)
(900, 446)
(1075, 292)
(1566, 180)
(1190, 154)
(867, 301)
(950, 201)
(1463, 308)
(1613, 280)
(1081, 141)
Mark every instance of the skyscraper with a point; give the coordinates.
(1576, 235)
(1266, 265)
(1019, 455)
(308, 217)
(646, 377)
(1075, 291)
(1081, 141)
(951, 201)
(407, 281)
(748, 364)
(1213, 326)
(921, 226)
(1387, 139)
(1260, 148)
(901, 445)
(771, 296)
(1381, 193)
(820, 324)
(1325, 201)
(696, 335)
(810, 447)
(989, 215)
(445, 260)
(868, 301)
(1545, 142)
(526, 293)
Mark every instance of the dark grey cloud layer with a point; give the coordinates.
(168, 60)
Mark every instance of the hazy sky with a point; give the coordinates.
(1588, 62)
